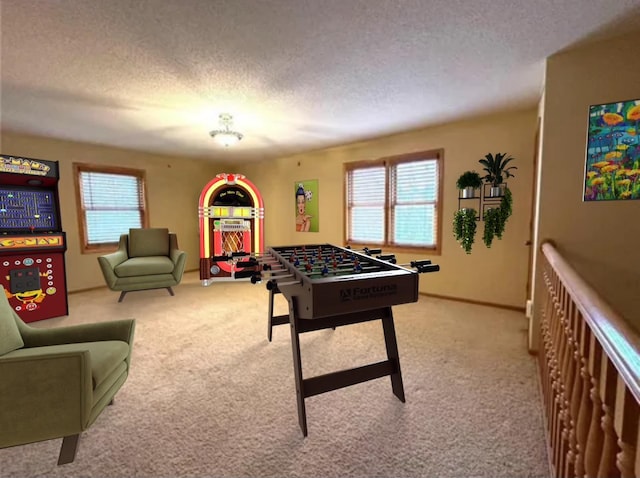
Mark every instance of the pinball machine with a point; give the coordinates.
(32, 243)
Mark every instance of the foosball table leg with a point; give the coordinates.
(297, 368)
(393, 355)
(269, 322)
(274, 320)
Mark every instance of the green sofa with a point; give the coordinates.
(146, 259)
(55, 382)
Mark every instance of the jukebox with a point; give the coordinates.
(231, 218)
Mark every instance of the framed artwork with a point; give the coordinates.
(612, 168)
(306, 194)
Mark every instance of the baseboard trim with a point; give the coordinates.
(426, 294)
(88, 289)
(475, 302)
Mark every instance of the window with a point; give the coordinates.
(111, 200)
(395, 202)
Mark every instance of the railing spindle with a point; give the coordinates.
(626, 426)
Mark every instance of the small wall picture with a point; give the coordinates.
(306, 194)
(612, 169)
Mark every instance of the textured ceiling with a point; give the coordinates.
(296, 74)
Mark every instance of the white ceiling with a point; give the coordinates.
(296, 74)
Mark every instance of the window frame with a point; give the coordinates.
(79, 168)
(388, 162)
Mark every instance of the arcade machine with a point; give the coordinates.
(32, 244)
(231, 216)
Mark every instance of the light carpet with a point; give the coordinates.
(208, 395)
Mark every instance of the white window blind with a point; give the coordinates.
(111, 204)
(366, 188)
(394, 202)
(414, 192)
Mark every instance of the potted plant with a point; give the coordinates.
(468, 182)
(497, 170)
(464, 227)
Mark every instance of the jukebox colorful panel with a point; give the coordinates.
(231, 222)
(32, 245)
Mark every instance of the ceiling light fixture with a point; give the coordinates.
(225, 136)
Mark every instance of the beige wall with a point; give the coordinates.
(497, 275)
(600, 239)
(173, 188)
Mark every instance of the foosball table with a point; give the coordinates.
(329, 286)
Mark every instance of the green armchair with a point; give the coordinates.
(145, 259)
(56, 382)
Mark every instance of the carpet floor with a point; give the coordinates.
(209, 396)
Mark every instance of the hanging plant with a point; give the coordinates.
(464, 227)
(505, 212)
(496, 218)
(458, 224)
(491, 225)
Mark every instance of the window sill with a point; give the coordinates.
(100, 249)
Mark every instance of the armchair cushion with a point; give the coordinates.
(10, 338)
(145, 266)
(148, 242)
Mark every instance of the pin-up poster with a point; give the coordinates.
(613, 152)
(306, 193)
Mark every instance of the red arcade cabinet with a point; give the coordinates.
(32, 244)
(231, 221)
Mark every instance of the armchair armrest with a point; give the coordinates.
(109, 262)
(95, 332)
(44, 395)
(116, 258)
(179, 258)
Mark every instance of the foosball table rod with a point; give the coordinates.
(421, 267)
(318, 263)
(312, 250)
(228, 257)
(257, 266)
(256, 256)
(274, 277)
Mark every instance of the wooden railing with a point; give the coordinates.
(589, 361)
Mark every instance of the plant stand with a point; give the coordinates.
(474, 202)
(482, 201)
(490, 201)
